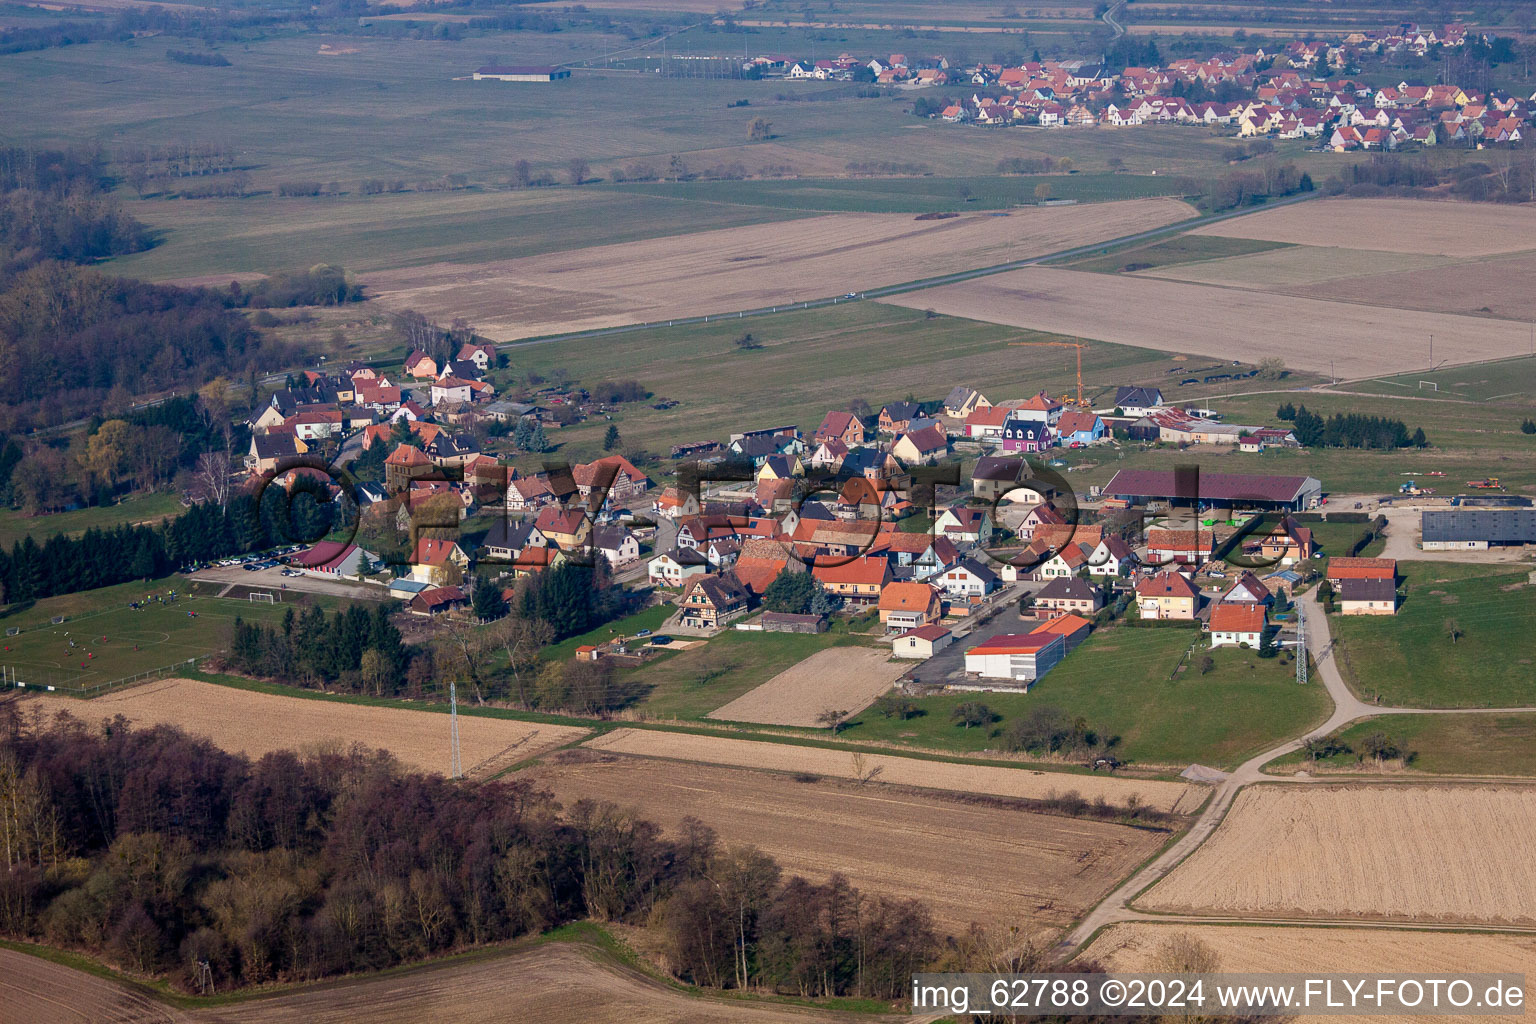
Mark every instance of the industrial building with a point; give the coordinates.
(519, 73)
(1188, 486)
(1475, 529)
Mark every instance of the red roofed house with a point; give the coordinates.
(1340, 569)
(922, 447)
(434, 558)
(438, 599)
(1168, 595)
(1238, 624)
(564, 528)
(840, 426)
(1019, 657)
(858, 581)
(905, 606)
(921, 643)
(1180, 547)
(405, 463)
(421, 366)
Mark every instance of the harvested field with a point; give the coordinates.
(846, 678)
(967, 862)
(42, 992)
(1133, 947)
(744, 267)
(252, 723)
(1479, 287)
(1016, 783)
(547, 984)
(1225, 323)
(1395, 225)
(1419, 853)
(1282, 269)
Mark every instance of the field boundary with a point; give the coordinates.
(12, 679)
(1178, 227)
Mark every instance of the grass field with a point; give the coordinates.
(692, 683)
(1420, 853)
(1171, 252)
(1118, 682)
(1438, 745)
(810, 362)
(140, 508)
(155, 636)
(1410, 659)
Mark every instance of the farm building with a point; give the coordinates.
(1073, 629)
(1187, 485)
(788, 622)
(1367, 597)
(921, 643)
(435, 600)
(1020, 657)
(520, 73)
(1475, 529)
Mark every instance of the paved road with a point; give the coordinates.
(1109, 19)
(1347, 708)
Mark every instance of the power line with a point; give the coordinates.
(457, 768)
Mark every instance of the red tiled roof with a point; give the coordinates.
(1237, 617)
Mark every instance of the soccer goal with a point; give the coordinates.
(264, 595)
(1433, 385)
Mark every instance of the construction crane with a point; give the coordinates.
(1081, 402)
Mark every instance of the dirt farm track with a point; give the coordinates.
(1426, 854)
(252, 723)
(746, 267)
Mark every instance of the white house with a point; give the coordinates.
(675, 567)
(1237, 623)
(967, 580)
(921, 643)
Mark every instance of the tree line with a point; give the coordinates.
(362, 650)
(64, 564)
(173, 859)
(1350, 430)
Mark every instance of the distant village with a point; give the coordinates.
(1299, 90)
(871, 510)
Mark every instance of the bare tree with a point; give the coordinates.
(462, 654)
(863, 771)
(212, 476)
(523, 639)
(578, 170)
(832, 719)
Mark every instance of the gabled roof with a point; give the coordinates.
(1362, 568)
(1063, 625)
(722, 589)
(407, 455)
(997, 468)
(434, 551)
(857, 572)
(929, 439)
(1237, 617)
(931, 632)
(1077, 421)
(835, 423)
(1181, 540)
(901, 410)
(1067, 589)
(976, 569)
(1355, 589)
(1166, 584)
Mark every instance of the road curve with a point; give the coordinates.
(1347, 708)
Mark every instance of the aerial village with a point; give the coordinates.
(872, 514)
(1297, 90)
